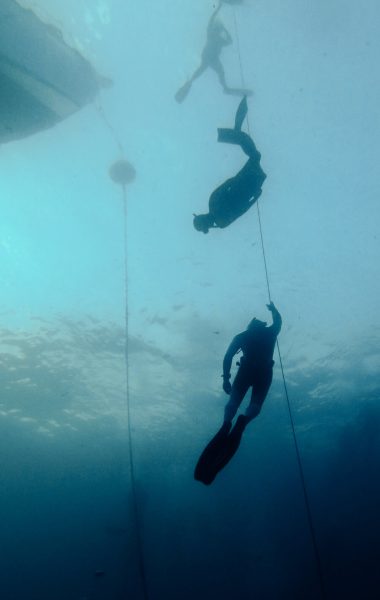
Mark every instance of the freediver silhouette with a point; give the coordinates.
(236, 195)
(255, 371)
(217, 38)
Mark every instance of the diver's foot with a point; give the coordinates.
(238, 92)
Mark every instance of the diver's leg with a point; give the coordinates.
(219, 70)
(236, 434)
(260, 391)
(198, 72)
(232, 405)
(239, 390)
(185, 89)
(253, 410)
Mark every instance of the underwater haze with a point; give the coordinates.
(69, 529)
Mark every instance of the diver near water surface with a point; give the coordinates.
(255, 371)
(217, 38)
(236, 195)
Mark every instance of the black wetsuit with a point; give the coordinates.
(257, 344)
(256, 364)
(236, 195)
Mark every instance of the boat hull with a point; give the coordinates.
(42, 79)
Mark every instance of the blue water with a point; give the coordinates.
(68, 528)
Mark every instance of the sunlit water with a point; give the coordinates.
(67, 528)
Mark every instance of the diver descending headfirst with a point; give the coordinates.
(236, 195)
(217, 38)
(255, 371)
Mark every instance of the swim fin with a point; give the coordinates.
(241, 113)
(208, 461)
(182, 92)
(219, 451)
(230, 136)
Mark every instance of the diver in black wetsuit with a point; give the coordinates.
(217, 38)
(236, 195)
(255, 371)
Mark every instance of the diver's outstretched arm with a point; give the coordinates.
(277, 320)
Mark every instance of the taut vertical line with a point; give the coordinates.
(299, 462)
(135, 507)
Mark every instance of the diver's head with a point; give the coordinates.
(256, 324)
(202, 222)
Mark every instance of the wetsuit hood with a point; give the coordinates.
(202, 222)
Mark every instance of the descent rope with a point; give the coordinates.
(298, 455)
(135, 504)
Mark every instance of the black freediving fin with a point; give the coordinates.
(229, 136)
(241, 113)
(209, 459)
(219, 451)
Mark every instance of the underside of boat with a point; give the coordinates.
(42, 79)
